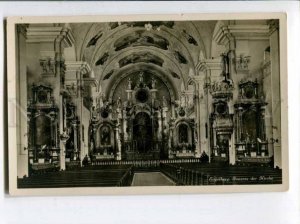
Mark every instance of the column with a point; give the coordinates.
(160, 128)
(232, 139)
(232, 151)
(197, 120)
(75, 84)
(209, 71)
(74, 124)
(125, 125)
(62, 159)
(118, 142)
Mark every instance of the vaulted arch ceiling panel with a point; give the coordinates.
(141, 57)
(167, 60)
(173, 45)
(141, 38)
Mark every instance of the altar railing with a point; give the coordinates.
(147, 163)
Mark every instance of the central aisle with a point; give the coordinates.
(151, 179)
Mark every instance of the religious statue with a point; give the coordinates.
(153, 83)
(101, 98)
(129, 84)
(119, 102)
(141, 77)
(196, 136)
(92, 146)
(225, 60)
(105, 136)
(94, 112)
(65, 134)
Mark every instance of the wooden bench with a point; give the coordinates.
(87, 177)
(204, 174)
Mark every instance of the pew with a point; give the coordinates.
(210, 174)
(85, 177)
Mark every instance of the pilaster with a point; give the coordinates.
(77, 78)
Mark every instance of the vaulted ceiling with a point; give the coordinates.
(170, 49)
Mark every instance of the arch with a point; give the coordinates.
(189, 133)
(165, 33)
(128, 51)
(123, 73)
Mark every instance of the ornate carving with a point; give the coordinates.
(141, 57)
(64, 136)
(41, 95)
(221, 89)
(108, 75)
(102, 59)
(48, 66)
(139, 39)
(129, 86)
(72, 89)
(242, 63)
(189, 38)
(94, 40)
(248, 90)
(180, 58)
(174, 75)
(221, 108)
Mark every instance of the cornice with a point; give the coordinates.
(210, 64)
(45, 34)
(78, 66)
(241, 32)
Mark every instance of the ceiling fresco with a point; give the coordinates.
(173, 46)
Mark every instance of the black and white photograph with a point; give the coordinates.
(133, 104)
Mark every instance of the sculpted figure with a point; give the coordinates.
(129, 84)
(141, 77)
(119, 102)
(153, 83)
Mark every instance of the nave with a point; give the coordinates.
(176, 97)
(154, 173)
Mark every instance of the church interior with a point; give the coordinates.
(105, 104)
